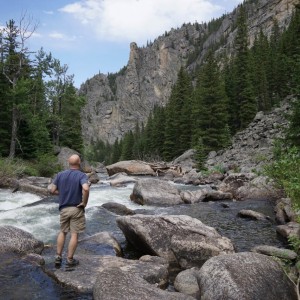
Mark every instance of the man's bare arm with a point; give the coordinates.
(53, 189)
(85, 195)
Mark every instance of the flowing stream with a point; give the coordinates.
(41, 218)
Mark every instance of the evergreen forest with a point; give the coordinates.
(39, 105)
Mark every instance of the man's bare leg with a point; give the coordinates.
(60, 242)
(72, 244)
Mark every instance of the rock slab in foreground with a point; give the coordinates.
(117, 284)
(244, 276)
(83, 276)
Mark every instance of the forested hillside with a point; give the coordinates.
(209, 106)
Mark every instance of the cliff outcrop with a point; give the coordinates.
(116, 102)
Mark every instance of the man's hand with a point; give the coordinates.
(81, 205)
(52, 189)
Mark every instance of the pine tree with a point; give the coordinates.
(178, 118)
(260, 55)
(170, 133)
(212, 119)
(244, 92)
(274, 66)
(5, 108)
(185, 122)
(127, 146)
(200, 154)
(70, 135)
(116, 152)
(293, 134)
(15, 66)
(158, 130)
(230, 88)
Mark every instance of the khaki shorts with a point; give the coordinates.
(72, 219)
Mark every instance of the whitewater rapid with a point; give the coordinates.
(42, 220)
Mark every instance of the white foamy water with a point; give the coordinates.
(42, 220)
(9, 200)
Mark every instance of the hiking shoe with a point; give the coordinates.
(72, 262)
(58, 260)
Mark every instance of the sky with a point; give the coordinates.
(92, 36)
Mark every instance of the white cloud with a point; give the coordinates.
(57, 35)
(48, 12)
(36, 35)
(139, 20)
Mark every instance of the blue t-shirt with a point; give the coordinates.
(69, 184)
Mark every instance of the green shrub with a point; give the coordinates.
(47, 165)
(11, 168)
(286, 173)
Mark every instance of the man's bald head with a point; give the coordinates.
(74, 161)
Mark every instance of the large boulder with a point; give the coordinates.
(130, 167)
(204, 193)
(284, 211)
(234, 181)
(288, 230)
(244, 276)
(261, 187)
(16, 240)
(186, 282)
(150, 191)
(63, 155)
(196, 196)
(249, 186)
(193, 249)
(187, 160)
(178, 238)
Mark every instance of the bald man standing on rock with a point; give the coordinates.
(72, 187)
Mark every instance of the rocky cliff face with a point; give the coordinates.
(115, 106)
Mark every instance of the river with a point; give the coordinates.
(41, 218)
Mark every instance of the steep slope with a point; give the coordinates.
(116, 103)
(252, 148)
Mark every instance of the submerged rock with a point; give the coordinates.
(118, 208)
(275, 251)
(251, 214)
